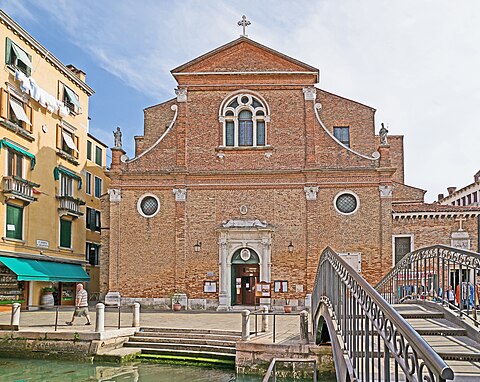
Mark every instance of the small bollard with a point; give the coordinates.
(15, 319)
(136, 315)
(264, 319)
(245, 324)
(100, 318)
(304, 327)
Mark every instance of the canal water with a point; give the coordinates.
(15, 370)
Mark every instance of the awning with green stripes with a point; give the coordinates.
(14, 147)
(39, 270)
(62, 170)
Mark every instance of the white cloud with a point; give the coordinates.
(415, 62)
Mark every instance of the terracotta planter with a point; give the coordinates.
(177, 307)
(287, 309)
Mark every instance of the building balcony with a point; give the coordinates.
(70, 206)
(15, 187)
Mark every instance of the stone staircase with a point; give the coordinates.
(455, 341)
(189, 345)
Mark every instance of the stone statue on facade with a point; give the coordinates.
(383, 135)
(117, 136)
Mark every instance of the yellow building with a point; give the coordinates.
(96, 184)
(43, 141)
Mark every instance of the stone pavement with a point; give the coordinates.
(287, 326)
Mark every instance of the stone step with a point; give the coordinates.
(183, 347)
(185, 341)
(191, 331)
(180, 335)
(436, 327)
(189, 353)
(408, 311)
(460, 348)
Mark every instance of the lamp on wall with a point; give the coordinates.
(290, 247)
(197, 246)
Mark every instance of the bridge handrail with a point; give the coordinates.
(410, 350)
(460, 256)
(418, 269)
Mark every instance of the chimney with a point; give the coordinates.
(477, 176)
(440, 197)
(79, 73)
(451, 190)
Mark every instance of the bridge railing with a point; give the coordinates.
(444, 275)
(375, 341)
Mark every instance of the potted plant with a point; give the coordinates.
(47, 300)
(176, 306)
(287, 308)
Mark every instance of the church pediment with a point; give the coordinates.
(244, 56)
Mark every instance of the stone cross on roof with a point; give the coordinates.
(461, 219)
(244, 23)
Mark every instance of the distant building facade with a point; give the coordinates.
(96, 185)
(44, 134)
(246, 176)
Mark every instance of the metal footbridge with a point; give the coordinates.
(408, 327)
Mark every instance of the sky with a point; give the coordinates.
(415, 61)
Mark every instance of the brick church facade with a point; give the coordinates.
(247, 175)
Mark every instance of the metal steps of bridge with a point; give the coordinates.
(451, 341)
(189, 345)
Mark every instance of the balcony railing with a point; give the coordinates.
(17, 188)
(70, 205)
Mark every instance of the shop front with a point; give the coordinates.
(26, 280)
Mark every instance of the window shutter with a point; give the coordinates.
(98, 224)
(92, 219)
(76, 154)
(4, 104)
(65, 233)
(8, 51)
(59, 137)
(29, 112)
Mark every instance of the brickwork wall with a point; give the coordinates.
(397, 156)
(154, 257)
(438, 230)
(404, 193)
(339, 111)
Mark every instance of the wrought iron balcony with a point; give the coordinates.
(70, 205)
(15, 187)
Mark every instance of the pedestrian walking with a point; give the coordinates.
(81, 306)
(451, 295)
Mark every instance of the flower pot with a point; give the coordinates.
(287, 308)
(46, 300)
(177, 307)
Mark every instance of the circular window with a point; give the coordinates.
(346, 203)
(148, 205)
(244, 100)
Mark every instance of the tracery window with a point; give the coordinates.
(244, 119)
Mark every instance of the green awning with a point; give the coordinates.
(64, 171)
(38, 270)
(4, 142)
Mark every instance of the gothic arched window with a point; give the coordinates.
(244, 119)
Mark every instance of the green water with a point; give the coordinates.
(20, 370)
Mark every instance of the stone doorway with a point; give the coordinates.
(235, 236)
